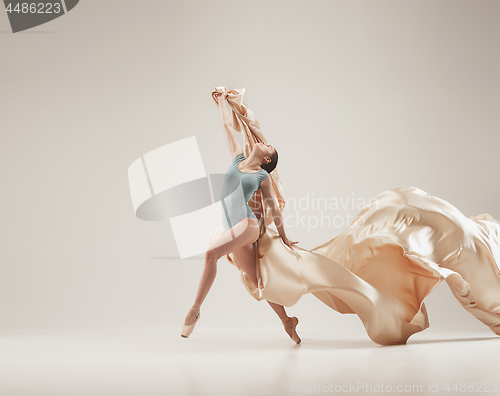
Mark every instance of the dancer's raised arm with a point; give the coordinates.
(272, 202)
(234, 146)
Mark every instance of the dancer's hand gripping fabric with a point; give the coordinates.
(222, 96)
(288, 243)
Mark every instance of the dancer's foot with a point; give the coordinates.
(290, 324)
(192, 317)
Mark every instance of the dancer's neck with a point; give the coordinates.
(252, 162)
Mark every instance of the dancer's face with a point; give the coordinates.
(264, 149)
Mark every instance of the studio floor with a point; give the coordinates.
(257, 363)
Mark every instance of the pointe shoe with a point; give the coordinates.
(188, 329)
(290, 329)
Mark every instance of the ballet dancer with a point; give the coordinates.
(239, 221)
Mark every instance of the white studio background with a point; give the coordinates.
(357, 96)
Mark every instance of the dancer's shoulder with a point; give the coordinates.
(239, 157)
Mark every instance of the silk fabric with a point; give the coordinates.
(398, 248)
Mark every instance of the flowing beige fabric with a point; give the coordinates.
(394, 253)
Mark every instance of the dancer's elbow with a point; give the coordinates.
(276, 212)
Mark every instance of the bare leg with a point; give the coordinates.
(242, 234)
(238, 240)
(280, 310)
(246, 259)
(207, 279)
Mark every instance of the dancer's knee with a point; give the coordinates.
(211, 256)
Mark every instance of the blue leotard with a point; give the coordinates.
(237, 189)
